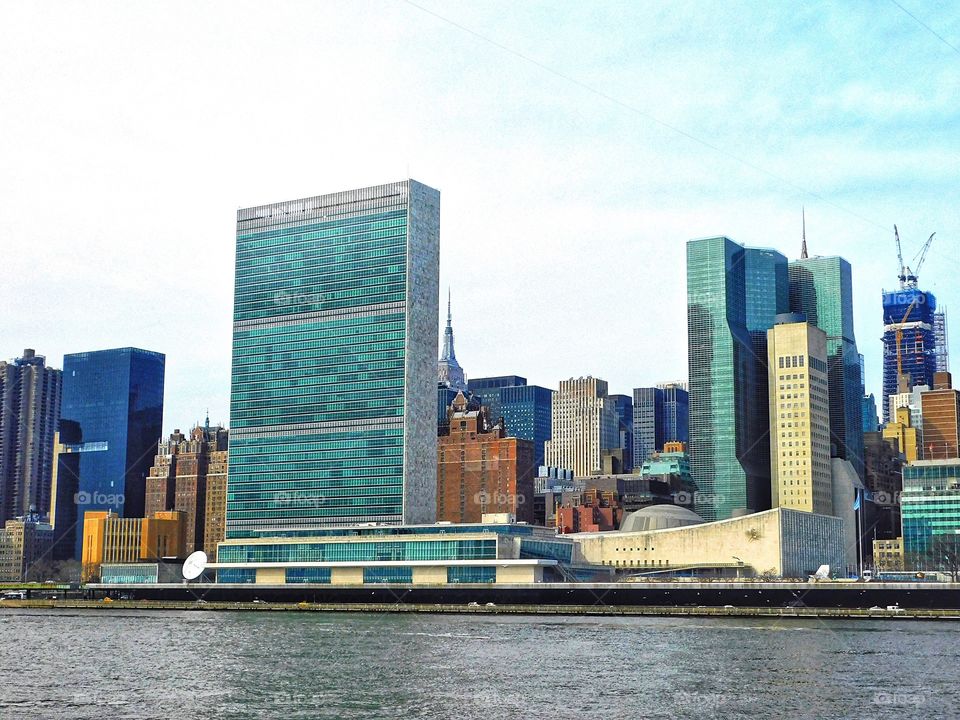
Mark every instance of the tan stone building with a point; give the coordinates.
(23, 543)
(108, 538)
(584, 427)
(799, 416)
(480, 470)
(888, 555)
(189, 474)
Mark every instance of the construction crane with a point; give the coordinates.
(902, 277)
(908, 276)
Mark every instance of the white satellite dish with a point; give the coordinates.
(194, 565)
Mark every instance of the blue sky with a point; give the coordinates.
(131, 133)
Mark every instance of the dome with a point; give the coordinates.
(659, 517)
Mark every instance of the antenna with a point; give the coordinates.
(803, 247)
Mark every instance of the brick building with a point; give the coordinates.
(480, 470)
(941, 419)
(189, 474)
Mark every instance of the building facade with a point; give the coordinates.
(908, 334)
(187, 470)
(480, 470)
(334, 361)
(941, 419)
(525, 409)
(930, 512)
(799, 416)
(623, 408)
(29, 414)
(24, 543)
(111, 416)
(584, 427)
(733, 295)
(661, 415)
(108, 538)
(822, 289)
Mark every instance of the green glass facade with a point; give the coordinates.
(334, 352)
(733, 295)
(930, 512)
(353, 552)
(822, 289)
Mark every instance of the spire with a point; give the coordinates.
(803, 248)
(449, 371)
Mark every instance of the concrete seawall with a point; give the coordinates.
(398, 607)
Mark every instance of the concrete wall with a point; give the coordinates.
(346, 576)
(519, 574)
(272, 576)
(429, 576)
(753, 538)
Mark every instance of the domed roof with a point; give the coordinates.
(659, 517)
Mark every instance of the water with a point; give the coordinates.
(120, 664)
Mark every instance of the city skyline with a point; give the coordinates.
(607, 185)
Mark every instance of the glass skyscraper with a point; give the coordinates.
(822, 289)
(333, 405)
(733, 296)
(525, 409)
(112, 403)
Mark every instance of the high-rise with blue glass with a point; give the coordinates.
(334, 379)
(525, 409)
(733, 295)
(112, 403)
(821, 288)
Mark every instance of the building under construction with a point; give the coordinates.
(914, 333)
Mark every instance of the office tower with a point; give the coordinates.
(676, 413)
(941, 341)
(733, 295)
(29, 413)
(883, 465)
(822, 289)
(584, 427)
(449, 372)
(332, 415)
(941, 419)
(184, 469)
(930, 510)
(623, 408)
(111, 417)
(648, 429)
(525, 409)
(480, 470)
(799, 416)
(908, 324)
(871, 420)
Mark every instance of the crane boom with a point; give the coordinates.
(903, 272)
(923, 254)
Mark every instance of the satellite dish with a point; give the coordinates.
(194, 565)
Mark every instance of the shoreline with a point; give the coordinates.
(533, 610)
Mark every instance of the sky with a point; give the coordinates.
(577, 147)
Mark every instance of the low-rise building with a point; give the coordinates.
(930, 512)
(24, 542)
(888, 555)
(108, 538)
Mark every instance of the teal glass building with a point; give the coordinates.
(733, 296)
(822, 289)
(333, 385)
(930, 513)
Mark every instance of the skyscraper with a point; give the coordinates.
(821, 288)
(733, 296)
(29, 413)
(799, 416)
(584, 426)
(908, 322)
(623, 407)
(449, 372)
(648, 428)
(525, 409)
(113, 407)
(333, 387)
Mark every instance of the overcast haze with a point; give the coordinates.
(130, 133)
